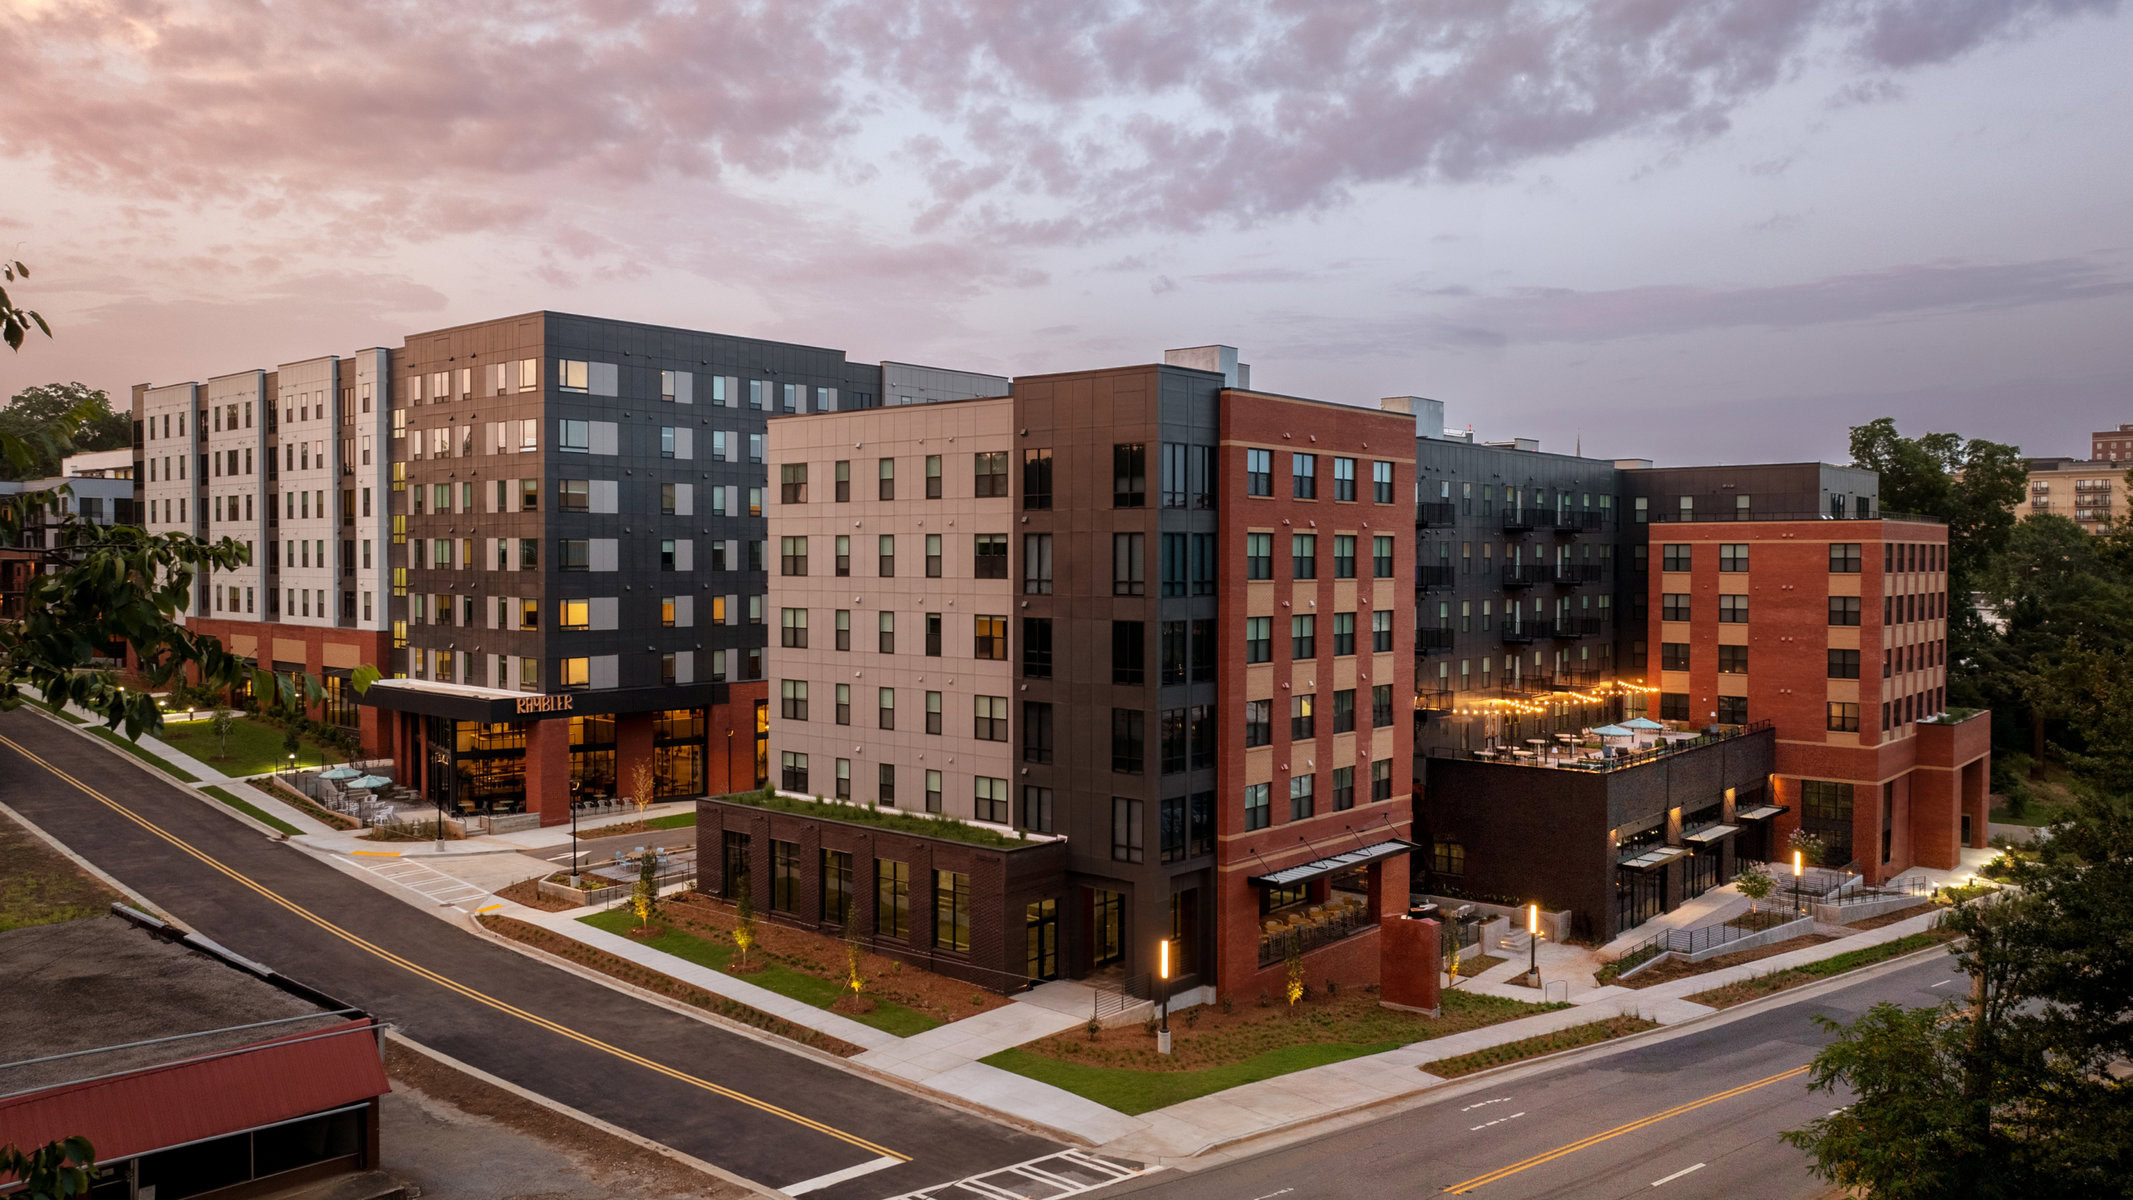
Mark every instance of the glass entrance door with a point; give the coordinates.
(1041, 920)
(1107, 928)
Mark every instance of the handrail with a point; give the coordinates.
(1677, 517)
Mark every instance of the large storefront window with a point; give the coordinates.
(488, 767)
(678, 753)
(341, 707)
(592, 755)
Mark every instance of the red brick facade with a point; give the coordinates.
(1794, 659)
(1286, 428)
(317, 650)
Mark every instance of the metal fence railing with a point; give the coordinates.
(1915, 885)
(1302, 939)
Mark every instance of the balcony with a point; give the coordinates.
(1577, 675)
(1433, 575)
(1434, 514)
(1526, 576)
(1520, 520)
(1428, 702)
(1568, 522)
(1578, 627)
(1427, 640)
(1572, 574)
(1523, 632)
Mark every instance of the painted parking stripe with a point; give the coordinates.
(833, 1178)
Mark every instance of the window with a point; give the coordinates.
(933, 556)
(1344, 711)
(1843, 716)
(844, 704)
(1258, 556)
(933, 477)
(1258, 723)
(1674, 556)
(990, 473)
(1129, 475)
(1129, 568)
(1673, 706)
(1733, 556)
(892, 881)
(1303, 555)
(1343, 788)
(785, 871)
(1733, 660)
(1303, 476)
(792, 477)
(989, 798)
(792, 699)
(1844, 610)
(1303, 796)
(1844, 558)
(1732, 610)
(1037, 478)
(990, 640)
(792, 556)
(1036, 732)
(1303, 720)
(667, 554)
(1381, 706)
(885, 637)
(989, 555)
(1381, 482)
(574, 673)
(885, 559)
(989, 718)
(933, 791)
(1673, 656)
(887, 487)
(951, 907)
(1733, 710)
(1258, 806)
(1844, 664)
(1129, 740)
(573, 495)
(792, 628)
(569, 375)
(1674, 606)
(885, 708)
(1343, 556)
(1381, 556)
(1129, 653)
(1258, 472)
(1303, 636)
(1036, 564)
(844, 629)
(1343, 634)
(574, 614)
(1380, 630)
(1447, 857)
(1126, 829)
(1258, 639)
(1037, 808)
(574, 437)
(572, 554)
(1037, 647)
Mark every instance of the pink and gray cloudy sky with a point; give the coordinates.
(1680, 229)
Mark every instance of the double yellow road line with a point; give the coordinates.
(452, 985)
(1551, 1155)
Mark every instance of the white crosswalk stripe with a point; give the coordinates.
(1068, 1173)
(425, 881)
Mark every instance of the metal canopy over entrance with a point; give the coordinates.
(1333, 865)
(1710, 834)
(1761, 812)
(1654, 859)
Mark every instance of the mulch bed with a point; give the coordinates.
(528, 893)
(664, 985)
(821, 954)
(1901, 914)
(1677, 968)
(1533, 1047)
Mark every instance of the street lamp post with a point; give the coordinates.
(1798, 862)
(1533, 928)
(574, 835)
(292, 770)
(1162, 971)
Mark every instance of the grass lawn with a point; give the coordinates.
(39, 885)
(1590, 1033)
(680, 820)
(1213, 1051)
(252, 810)
(255, 749)
(151, 759)
(797, 985)
(1731, 994)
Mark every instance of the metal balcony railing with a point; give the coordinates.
(1520, 520)
(1433, 575)
(1433, 639)
(1434, 514)
(1526, 576)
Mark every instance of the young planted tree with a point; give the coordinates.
(1756, 884)
(854, 982)
(744, 938)
(1295, 988)
(220, 725)
(642, 783)
(644, 898)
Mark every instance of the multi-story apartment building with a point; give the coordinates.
(2112, 445)
(546, 531)
(1097, 564)
(2092, 494)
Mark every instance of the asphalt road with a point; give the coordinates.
(755, 1109)
(1696, 1115)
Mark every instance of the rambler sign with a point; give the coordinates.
(545, 704)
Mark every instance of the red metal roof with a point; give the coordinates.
(125, 1115)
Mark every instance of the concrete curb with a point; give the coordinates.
(1448, 1089)
(585, 1118)
(913, 1087)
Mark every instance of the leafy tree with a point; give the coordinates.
(220, 725)
(1294, 990)
(57, 419)
(2012, 1093)
(744, 938)
(1755, 883)
(642, 783)
(644, 899)
(54, 1171)
(2062, 604)
(15, 322)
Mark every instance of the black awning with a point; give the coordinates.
(1319, 867)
